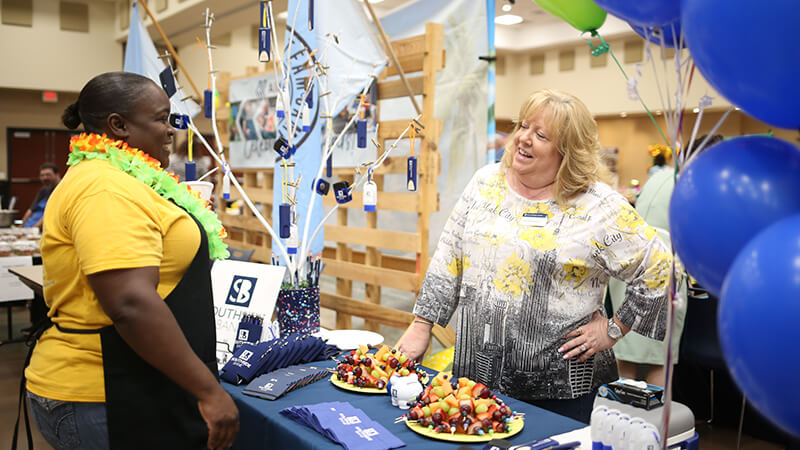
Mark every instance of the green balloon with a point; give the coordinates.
(584, 15)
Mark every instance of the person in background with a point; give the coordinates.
(525, 258)
(640, 357)
(661, 157)
(129, 361)
(48, 175)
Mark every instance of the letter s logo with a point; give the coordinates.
(241, 291)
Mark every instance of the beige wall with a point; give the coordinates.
(632, 134)
(24, 109)
(233, 58)
(44, 57)
(603, 89)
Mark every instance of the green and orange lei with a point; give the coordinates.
(147, 169)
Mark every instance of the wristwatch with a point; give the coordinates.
(614, 331)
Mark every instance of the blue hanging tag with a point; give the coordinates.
(361, 130)
(411, 173)
(306, 118)
(226, 182)
(370, 196)
(293, 241)
(322, 187)
(342, 192)
(310, 97)
(281, 147)
(191, 171)
(179, 121)
(280, 110)
(167, 81)
(264, 34)
(310, 14)
(329, 166)
(208, 103)
(285, 220)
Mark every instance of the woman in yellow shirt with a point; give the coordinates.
(129, 361)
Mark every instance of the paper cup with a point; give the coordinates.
(203, 187)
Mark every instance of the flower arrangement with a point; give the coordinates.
(145, 168)
(660, 149)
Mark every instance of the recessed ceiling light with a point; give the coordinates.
(623, 114)
(696, 110)
(506, 7)
(282, 15)
(658, 113)
(508, 19)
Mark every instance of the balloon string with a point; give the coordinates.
(653, 119)
(683, 110)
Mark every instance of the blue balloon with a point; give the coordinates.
(727, 195)
(758, 325)
(748, 52)
(651, 13)
(670, 31)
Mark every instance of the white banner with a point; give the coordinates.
(241, 288)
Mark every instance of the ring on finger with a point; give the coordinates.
(579, 331)
(583, 347)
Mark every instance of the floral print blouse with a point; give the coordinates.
(522, 274)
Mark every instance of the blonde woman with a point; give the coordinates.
(525, 258)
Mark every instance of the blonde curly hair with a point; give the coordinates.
(575, 136)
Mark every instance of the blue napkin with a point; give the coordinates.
(345, 425)
(272, 385)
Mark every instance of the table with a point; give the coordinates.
(261, 425)
(13, 295)
(31, 276)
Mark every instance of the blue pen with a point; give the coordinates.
(540, 444)
(567, 446)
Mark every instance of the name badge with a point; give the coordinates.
(534, 219)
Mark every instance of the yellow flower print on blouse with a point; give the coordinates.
(494, 190)
(575, 210)
(629, 219)
(513, 276)
(650, 233)
(539, 238)
(576, 271)
(657, 274)
(456, 266)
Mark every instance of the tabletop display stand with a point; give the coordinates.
(420, 58)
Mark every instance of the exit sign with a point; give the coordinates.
(50, 96)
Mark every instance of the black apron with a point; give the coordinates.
(144, 408)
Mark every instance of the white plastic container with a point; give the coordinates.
(203, 187)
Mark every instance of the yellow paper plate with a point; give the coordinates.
(349, 387)
(516, 427)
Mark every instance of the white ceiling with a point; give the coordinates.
(539, 28)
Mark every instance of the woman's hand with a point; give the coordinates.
(221, 416)
(588, 339)
(415, 341)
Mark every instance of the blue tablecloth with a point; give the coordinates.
(262, 427)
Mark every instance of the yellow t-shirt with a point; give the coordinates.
(99, 218)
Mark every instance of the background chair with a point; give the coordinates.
(700, 345)
(240, 254)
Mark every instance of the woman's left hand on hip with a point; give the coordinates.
(588, 339)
